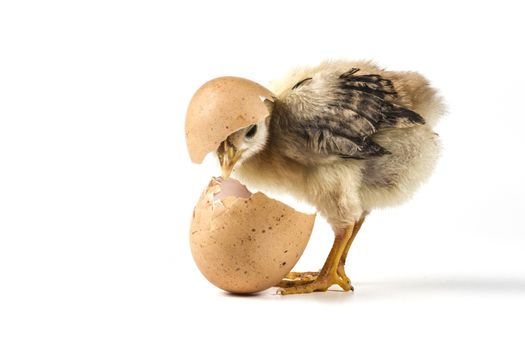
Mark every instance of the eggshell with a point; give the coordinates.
(246, 245)
(219, 108)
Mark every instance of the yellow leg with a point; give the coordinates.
(341, 268)
(328, 275)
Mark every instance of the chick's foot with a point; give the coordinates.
(319, 284)
(301, 278)
(331, 273)
(342, 275)
(297, 279)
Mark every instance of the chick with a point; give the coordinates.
(346, 137)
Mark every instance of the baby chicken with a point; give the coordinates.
(346, 137)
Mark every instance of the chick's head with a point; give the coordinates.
(241, 145)
(228, 116)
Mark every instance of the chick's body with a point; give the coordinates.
(346, 137)
(342, 187)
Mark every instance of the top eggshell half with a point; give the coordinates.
(219, 108)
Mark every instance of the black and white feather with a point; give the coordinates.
(338, 115)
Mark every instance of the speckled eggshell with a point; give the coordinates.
(246, 245)
(219, 108)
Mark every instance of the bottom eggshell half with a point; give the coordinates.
(246, 245)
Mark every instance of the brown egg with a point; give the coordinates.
(243, 242)
(219, 108)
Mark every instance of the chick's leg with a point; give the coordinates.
(301, 278)
(328, 275)
(341, 268)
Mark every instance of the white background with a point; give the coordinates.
(96, 188)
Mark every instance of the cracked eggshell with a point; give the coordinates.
(249, 243)
(219, 108)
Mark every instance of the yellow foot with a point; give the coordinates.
(342, 275)
(297, 279)
(295, 275)
(319, 284)
(293, 279)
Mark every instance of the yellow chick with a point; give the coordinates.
(346, 137)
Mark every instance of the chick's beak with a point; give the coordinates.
(228, 157)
